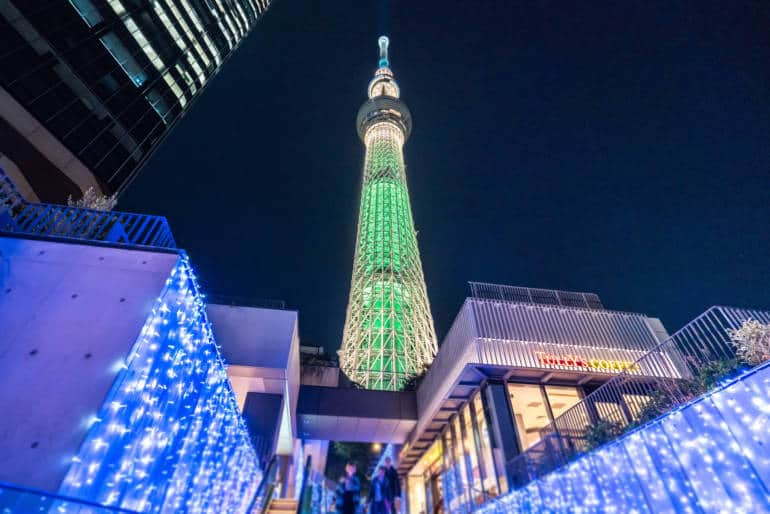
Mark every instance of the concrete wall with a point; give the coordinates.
(69, 314)
(251, 336)
(261, 348)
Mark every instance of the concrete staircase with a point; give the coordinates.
(282, 506)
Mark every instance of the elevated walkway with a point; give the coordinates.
(355, 415)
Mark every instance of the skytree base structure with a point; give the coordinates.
(389, 337)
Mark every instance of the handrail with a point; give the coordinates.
(487, 497)
(18, 216)
(262, 483)
(701, 348)
(303, 491)
(265, 505)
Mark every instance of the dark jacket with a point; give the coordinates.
(339, 495)
(352, 486)
(395, 485)
(383, 485)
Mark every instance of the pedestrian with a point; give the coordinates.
(395, 485)
(339, 495)
(379, 493)
(349, 489)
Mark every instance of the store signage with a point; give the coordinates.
(576, 361)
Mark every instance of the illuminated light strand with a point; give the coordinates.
(169, 437)
(709, 455)
(389, 335)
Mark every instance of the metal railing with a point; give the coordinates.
(244, 301)
(487, 291)
(704, 352)
(18, 216)
(265, 485)
(14, 498)
(497, 504)
(305, 496)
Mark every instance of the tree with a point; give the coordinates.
(93, 200)
(752, 342)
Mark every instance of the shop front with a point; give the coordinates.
(467, 464)
(505, 372)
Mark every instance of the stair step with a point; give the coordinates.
(282, 506)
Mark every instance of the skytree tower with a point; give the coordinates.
(389, 336)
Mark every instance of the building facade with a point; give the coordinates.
(89, 88)
(116, 392)
(527, 375)
(389, 336)
(514, 360)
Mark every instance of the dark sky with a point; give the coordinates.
(621, 148)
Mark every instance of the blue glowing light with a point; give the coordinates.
(169, 437)
(708, 456)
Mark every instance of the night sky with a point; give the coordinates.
(621, 148)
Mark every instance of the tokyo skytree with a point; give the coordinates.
(389, 336)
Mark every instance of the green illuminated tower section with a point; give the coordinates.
(389, 336)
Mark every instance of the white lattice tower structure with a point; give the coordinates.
(389, 336)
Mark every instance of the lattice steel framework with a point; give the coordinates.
(389, 336)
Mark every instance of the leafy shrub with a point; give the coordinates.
(602, 432)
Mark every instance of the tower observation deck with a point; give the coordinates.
(389, 336)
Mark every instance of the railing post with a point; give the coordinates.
(303, 496)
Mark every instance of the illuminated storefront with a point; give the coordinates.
(506, 370)
(460, 471)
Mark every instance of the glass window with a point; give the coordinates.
(450, 474)
(610, 411)
(87, 10)
(472, 456)
(124, 58)
(158, 103)
(459, 460)
(529, 412)
(562, 399)
(636, 403)
(484, 445)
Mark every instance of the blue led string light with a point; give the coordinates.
(170, 437)
(709, 456)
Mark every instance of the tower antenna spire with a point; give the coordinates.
(383, 41)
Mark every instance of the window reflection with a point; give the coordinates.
(636, 403)
(561, 398)
(487, 463)
(609, 411)
(529, 412)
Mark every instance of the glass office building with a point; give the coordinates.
(514, 360)
(89, 88)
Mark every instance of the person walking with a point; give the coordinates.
(395, 485)
(348, 494)
(380, 499)
(339, 495)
